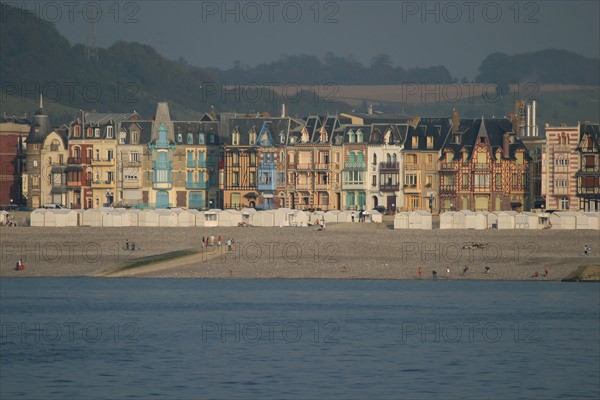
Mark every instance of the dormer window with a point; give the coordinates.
(211, 138)
(350, 136)
(304, 137)
(97, 132)
(415, 141)
(235, 137)
(281, 137)
(387, 138)
(77, 131)
(456, 138)
(109, 132)
(252, 137)
(359, 136)
(122, 136)
(190, 138)
(179, 138)
(90, 132)
(134, 137)
(201, 138)
(430, 142)
(324, 136)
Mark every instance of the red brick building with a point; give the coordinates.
(13, 131)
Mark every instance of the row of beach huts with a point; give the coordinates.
(499, 220)
(178, 217)
(283, 217)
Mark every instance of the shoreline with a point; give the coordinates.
(367, 252)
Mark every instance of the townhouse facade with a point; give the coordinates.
(484, 167)
(13, 132)
(560, 163)
(588, 174)
(384, 155)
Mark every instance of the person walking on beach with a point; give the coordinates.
(465, 269)
(545, 270)
(228, 244)
(486, 270)
(434, 275)
(447, 272)
(127, 244)
(585, 250)
(420, 273)
(203, 242)
(219, 241)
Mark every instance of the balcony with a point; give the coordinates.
(74, 160)
(411, 189)
(304, 186)
(324, 166)
(162, 165)
(103, 162)
(59, 189)
(162, 144)
(482, 166)
(355, 166)
(411, 167)
(98, 184)
(267, 165)
(590, 168)
(389, 188)
(197, 185)
(78, 184)
(267, 186)
(191, 163)
(322, 186)
(393, 166)
(305, 166)
(449, 166)
(447, 189)
(346, 185)
(588, 190)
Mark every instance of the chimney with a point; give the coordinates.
(370, 109)
(506, 144)
(283, 111)
(455, 121)
(534, 130)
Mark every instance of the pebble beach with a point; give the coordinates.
(341, 251)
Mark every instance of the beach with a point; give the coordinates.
(341, 251)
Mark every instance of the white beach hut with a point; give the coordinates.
(247, 215)
(401, 220)
(447, 220)
(507, 219)
(527, 220)
(118, 217)
(475, 220)
(300, 218)
(317, 215)
(492, 220)
(211, 218)
(281, 217)
(37, 217)
(420, 220)
(184, 217)
(346, 216)
(93, 216)
(134, 216)
(332, 216)
(148, 218)
(593, 220)
(166, 218)
(230, 218)
(563, 220)
(263, 218)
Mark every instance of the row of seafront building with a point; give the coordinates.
(350, 161)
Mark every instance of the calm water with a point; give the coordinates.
(182, 339)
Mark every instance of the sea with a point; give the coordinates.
(92, 338)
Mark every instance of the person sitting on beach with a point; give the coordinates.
(132, 246)
(420, 273)
(19, 266)
(545, 271)
(486, 270)
(465, 269)
(434, 275)
(535, 274)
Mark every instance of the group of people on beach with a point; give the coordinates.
(587, 250)
(434, 273)
(129, 245)
(20, 266)
(320, 223)
(210, 241)
(537, 274)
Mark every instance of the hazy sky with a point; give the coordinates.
(458, 34)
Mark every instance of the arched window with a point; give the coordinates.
(350, 136)
(360, 159)
(352, 158)
(374, 159)
(359, 136)
(389, 158)
(394, 159)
